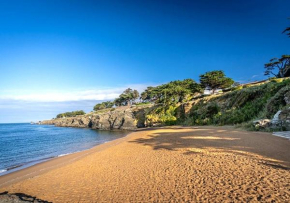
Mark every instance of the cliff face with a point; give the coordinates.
(124, 118)
(267, 104)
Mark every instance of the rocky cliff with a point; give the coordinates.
(123, 118)
(259, 106)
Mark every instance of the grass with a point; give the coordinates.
(238, 107)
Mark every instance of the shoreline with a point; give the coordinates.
(14, 167)
(178, 164)
(52, 163)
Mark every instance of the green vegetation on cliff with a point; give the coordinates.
(103, 105)
(183, 102)
(238, 106)
(70, 114)
(172, 92)
(169, 97)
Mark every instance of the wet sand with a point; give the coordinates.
(204, 164)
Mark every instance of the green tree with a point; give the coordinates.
(282, 64)
(103, 105)
(119, 101)
(215, 80)
(172, 92)
(128, 97)
(148, 94)
(99, 106)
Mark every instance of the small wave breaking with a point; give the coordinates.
(2, 171)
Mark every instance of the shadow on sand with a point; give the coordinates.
(270, 150)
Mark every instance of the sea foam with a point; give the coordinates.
(2, 171)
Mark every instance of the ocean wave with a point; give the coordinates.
(73, 152)
(64, 154)
(2, 171)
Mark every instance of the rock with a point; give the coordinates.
(287, 98)
(284, 116)
(262, 123)
(123, 118)
(5, 197)
(281, 119)
(117, 119)
(276, 119)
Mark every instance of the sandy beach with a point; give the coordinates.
(173, 164)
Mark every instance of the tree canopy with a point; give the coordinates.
(128, 97)
(282, 65)
(215, 80)
(172, 92)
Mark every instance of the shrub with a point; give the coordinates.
(70, 114)
(151, 119)
(240, 106)
(237, 88)
(212, 109)
(276, 102)
(246, 86)
(162, 115)
(168, 118)
(103, 105)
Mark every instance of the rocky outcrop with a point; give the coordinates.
(262, 123)
(280, 120)
(123, 118)
(284, 117)
(287, 97)
(276, 120)
(5, 197)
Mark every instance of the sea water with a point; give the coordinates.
(23, 145)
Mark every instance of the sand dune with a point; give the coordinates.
(205, 164)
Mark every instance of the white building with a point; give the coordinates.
(208, 91)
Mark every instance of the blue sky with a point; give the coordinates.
(60, 56)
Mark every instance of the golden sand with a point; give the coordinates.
(205, 164)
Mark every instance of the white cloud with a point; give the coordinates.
(25, 105)
(72, 95)
(254, 76)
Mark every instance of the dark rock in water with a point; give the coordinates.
(5, 197)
